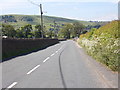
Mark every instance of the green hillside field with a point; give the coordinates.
(21, 20)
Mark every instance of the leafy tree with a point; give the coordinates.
(78, 28)
(38, 31)
(20, 33)
(50, 34)
(8, 30)
(27, 30)
(66, 31)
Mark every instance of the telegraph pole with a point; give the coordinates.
(41, 20)
(54, 28)
(41, 12)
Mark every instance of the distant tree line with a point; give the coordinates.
(69, 30)
(91, 26)
(22, 32)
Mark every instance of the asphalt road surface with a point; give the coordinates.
(64, 65)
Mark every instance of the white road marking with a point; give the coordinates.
(33, 69)
(59, 49)
(56, 51)
(46, 59)
(52, 54)
(13, 84)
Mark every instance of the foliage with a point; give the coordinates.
(19, 33)
(27, 30)
(8, 30)
(71, 30)
(78, 28)
(38, 31)
(103, 44)
(66, 31)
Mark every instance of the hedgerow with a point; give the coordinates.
(16, 47)
(103, 44)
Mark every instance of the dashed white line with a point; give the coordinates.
(46, 59)
(56, 51)
(59, 49)
(33, 69)
(52, 54)
(13, 84)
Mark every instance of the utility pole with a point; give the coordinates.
(41, 20)
(54, 28)
(41, 12)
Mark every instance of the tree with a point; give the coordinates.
(20, 33)
(66, 31)
(8, 30)
(27, 30)
(38, 31)
(78, 29)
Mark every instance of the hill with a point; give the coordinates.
(20, 20)
(103, 44)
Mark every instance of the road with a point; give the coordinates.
(64, 65)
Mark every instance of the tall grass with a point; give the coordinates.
(104, 44)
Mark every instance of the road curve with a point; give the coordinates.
(64, 65)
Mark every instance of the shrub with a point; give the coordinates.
(103, 44)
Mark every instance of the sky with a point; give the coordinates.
(94, 10)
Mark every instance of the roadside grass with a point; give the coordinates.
(103, 44)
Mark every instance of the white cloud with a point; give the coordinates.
(108, 17)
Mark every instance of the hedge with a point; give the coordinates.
(15, 47)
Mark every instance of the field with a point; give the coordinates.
(21, 20)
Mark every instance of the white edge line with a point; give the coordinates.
(13, 84)
(46, 59)
(33, 69)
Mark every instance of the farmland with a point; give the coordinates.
(21, 20)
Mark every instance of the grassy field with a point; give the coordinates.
(21, 20)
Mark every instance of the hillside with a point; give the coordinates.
(20, 20)
(103, 44)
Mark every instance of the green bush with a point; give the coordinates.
(103, 44)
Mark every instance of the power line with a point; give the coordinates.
(41, 12)
(33, 3)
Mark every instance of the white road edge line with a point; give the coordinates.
(33, 69)
(13, 84)
(46, 59)
(52, 54)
